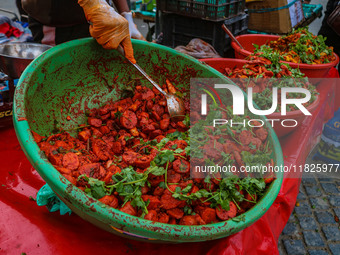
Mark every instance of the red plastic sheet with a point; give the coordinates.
(25, 227)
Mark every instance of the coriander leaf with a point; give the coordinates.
(118, 114)
(187, 188)
(252, 146)
(242, 217)
(162, 185)
(207, 179)
(163, 157)
(186, 120)
(156, 170)
(187, 210)
(97, 188)
(179, 150)
(174, 146)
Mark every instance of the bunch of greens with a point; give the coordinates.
(225, 193)
(128, 183)
(264, 99)
(275, 57)
(308, 47)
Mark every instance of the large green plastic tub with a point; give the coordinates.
(79, 73)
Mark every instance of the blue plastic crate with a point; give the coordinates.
(311, 9)
(136, 7)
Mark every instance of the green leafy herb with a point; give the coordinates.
(239, 218)
(95, 188)
(162, 185)
(187, 210)
(163, 157)
(118, 114)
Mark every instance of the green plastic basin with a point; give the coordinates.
(79, 73)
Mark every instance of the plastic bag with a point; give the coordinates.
(329, 146)
(198, 48)
(46, 196)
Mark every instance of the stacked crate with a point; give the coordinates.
(182, 20)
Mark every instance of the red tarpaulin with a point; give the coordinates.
(26, 227)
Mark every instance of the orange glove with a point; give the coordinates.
(107, 26)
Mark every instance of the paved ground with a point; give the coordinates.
(313, 227)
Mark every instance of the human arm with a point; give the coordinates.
(124, 10)
(108, 27)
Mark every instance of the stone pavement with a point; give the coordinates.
(313, 228)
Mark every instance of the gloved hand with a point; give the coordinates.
(134, 32)
(108, 27)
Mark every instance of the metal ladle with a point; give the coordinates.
(175, 105)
